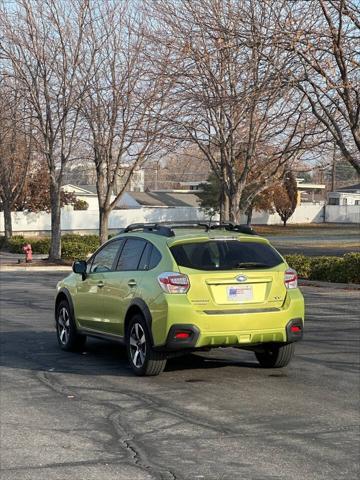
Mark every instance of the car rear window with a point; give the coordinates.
(225, 255)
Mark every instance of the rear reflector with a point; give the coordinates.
(295, 329)
(182, 335)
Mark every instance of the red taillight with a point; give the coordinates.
(172, 282)
(182, 335)
(295, 329)
(290, 278)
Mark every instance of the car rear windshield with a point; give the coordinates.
(225, 255)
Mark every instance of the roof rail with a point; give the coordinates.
(233, 228)
(149, 228)
(167, 228)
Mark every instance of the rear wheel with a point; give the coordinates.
(276, 356)
(67, 334)
(143, 359)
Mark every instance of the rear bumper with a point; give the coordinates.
(232, 329)
(293, 333)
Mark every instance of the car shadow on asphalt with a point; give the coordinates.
(39, 351)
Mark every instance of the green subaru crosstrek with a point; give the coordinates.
(168, 289)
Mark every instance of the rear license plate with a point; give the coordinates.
(240, 293)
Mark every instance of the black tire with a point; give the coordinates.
(68, 337)
(143, 359)
(276, 355)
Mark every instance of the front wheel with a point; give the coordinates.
(276, 356)
(143, 359)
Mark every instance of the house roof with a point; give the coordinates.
(81, 189)
(164, 199)
(350, 188)
(89, 188)
(144, 199)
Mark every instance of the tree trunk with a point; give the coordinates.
(249, 215)
(55, 208)
(104, 214)
(284, 222)
(234, 210)
(224, 207)
(7, 220)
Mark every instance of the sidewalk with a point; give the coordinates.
(9, 262)
(12, 258)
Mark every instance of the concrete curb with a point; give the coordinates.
(337, 286)
(29, 269)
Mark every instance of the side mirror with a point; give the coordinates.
(79, 266)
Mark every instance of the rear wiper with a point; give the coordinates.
(251, 265)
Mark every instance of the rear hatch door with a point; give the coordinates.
(230, 273)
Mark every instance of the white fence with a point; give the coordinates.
(342, 213)
(305, 213)
(88, 220)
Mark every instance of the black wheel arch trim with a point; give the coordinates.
(65, 291)
(141, 305)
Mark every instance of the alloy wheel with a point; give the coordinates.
(137, 345)
(64, 326)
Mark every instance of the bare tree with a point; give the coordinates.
(43, 48)
(121, 102)
(15, 150)
(231, 95)
(324, 35)
(176, 169)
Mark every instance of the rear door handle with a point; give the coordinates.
(100, 284)
(132, 283)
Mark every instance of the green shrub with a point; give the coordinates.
(78, 246)
(300, 263)
(15, 243)
(2, 241)
(80, 204)
(40, 245)
(80, 238)
(328, 269)
(352, 267)
(344, 269)
(73, 246)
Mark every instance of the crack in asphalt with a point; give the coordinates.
(138, 455)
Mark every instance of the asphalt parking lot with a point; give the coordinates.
(210, 416)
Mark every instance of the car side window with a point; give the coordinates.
(145, 257)
(103, 261)
(131, 254)
(150, 258)
(154, 258)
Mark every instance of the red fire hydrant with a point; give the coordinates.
(28, 252)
